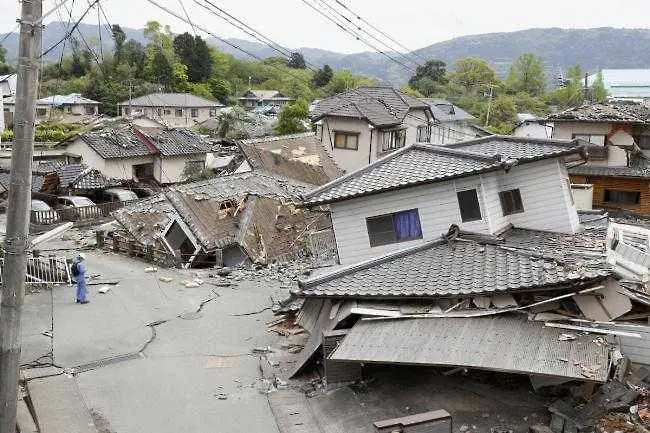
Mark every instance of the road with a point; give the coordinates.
(156, 356)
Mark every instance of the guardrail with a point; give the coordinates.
(82, 213)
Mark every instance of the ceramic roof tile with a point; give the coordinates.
(629, 112)
(421, 163)
(441, 268)
(172, 100)
(598, 170)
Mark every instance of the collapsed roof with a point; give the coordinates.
(620, 112)
(296, 156)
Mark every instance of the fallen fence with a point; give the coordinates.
(44, 270)
(82, 213)
(121, 244)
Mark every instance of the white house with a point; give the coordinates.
(70, 108)
(128, 152)
(172, 109)
(263, 98)
(451, 123)
(624, 84)
(360, 126)
(484, 185)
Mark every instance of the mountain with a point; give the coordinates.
(594, 49)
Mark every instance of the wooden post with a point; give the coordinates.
(149, 253)
(116, 244)
(101, 239)
(131, 248)
(18, 207)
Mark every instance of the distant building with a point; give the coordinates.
(70, 108)
(632, 84)
(262, 98)
(360, 126)
(8, 84)
(451, 123)
(171, 109)
(529, 125)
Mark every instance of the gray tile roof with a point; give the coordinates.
(628, 112)
(172, 100)
(114, 144)
(37, 181)
(419, 164)
(380, 106)
(504, 343)
(177, 142)
(441, 268)
(445, 111)
(605, 171)
(80, 176)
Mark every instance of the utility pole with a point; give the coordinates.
(18, 208)
(487, 116)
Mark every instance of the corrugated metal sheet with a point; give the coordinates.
(504, 343)
(637, 349)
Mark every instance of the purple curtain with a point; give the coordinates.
(407, 225)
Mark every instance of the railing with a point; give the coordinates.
(120, 244)
(44, 270)
(82, 213)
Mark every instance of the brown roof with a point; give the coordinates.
(296, 156)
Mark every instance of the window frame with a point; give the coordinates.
(194, 113)
(393, 144)
(580, 137)
(373, 235)
(607, 192)
(427, 131)
(178, 112)
(469, 218)
(347, 135)
(511, 197)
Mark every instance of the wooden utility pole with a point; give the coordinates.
(18, 209)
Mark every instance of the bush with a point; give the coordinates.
(7, 135)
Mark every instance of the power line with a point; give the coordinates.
(357, 36)
(358, 17)
(74, 27)
(358, 27)
(187, 16)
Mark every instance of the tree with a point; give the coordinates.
(503, 114)
(474, 74)
(194, 53)
(119, 37)
(323, 76)
(343, 80)
(598, 90)
(220, 89)
(4, 68)
(429, 77)
(3, 54)
(297, 61)
(161, 69)
(292, 117)
(527, 75)
(571, 94)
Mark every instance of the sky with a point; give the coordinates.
(412, 23)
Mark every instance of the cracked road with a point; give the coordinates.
(154, 356)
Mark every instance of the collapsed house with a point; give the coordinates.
(473, 255)
(229, 220)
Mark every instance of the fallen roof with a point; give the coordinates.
(380, 106)
(5, 178)
(446, 268)
(445, 111)
(421, 164)
(607, 171)
(80, 176)
(507, 344)
(172, 100)
(297, 156)
(625, 112)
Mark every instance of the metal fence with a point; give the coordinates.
(44, 270)
(323, 248)
(82, 213)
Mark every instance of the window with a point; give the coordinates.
(213, 112)
(394, 227)
(470, 210)
(68, 109)
(622, 197)
(89, 109)
(393, 140)
(159, 112)
(424, 134)
(41, 112)
(179, 112)
(596, 139)
(194, 112)
(167, 112)
(511, 202)
(346, 140)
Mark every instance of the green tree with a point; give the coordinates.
(193, 52)
(162, 70)
(527, 75)
(292, 117)
(119, 37)
(503, 115)
(323, 76)
(572, 93)
(220, 89)
(429, 77)
(598, 90)
(297, 61)
(3, 54)
(474, 74)
(4, 68)
(343, 80)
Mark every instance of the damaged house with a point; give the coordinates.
(229, 220)
(469, 255)
(618, 134)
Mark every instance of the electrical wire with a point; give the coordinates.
(69, 32)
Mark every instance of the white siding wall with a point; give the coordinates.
(616, 156)
(544, 191)
(123, 168)
(452, 132)
(173, 167)
(348, 160)
(88, 155)
(437, 206)
(186, 120)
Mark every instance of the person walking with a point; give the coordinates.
(79, 272)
